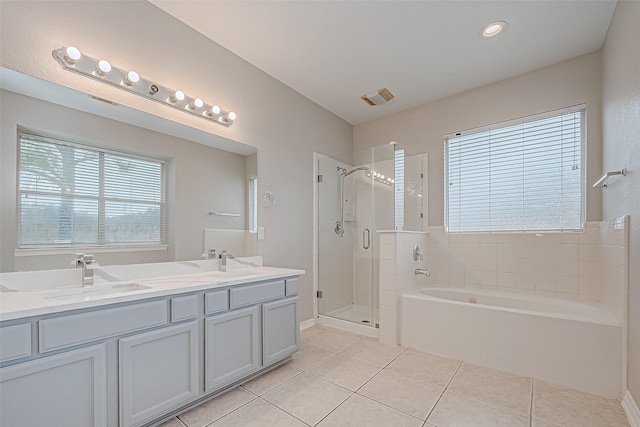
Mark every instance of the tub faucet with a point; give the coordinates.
(224, 257)
(87, 264)
(424, 271)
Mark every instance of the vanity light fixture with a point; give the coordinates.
(378, 177)
(493, 29)
(71, 59)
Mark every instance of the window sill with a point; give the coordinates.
(90, 249)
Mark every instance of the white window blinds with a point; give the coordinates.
(76, 195)
(253, 204)
(399, 192)
(520, 176)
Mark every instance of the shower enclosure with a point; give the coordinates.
(360, 194)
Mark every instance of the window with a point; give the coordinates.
(526, 175)
(76, 195)
(253, 204)
(398, 168)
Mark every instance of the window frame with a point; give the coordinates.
(101, 245)
(582, 108)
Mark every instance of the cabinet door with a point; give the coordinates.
(68, 389)
(158, 371)
(232, 346)
(280, 329)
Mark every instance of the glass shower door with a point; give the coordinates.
(346, 238)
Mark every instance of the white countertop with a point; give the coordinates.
(16, 305)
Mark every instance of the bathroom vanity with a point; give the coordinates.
(139, 356)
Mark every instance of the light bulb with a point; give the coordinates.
(103, 67)
(72, 55)
(132, 77)
(493, 29)
(215, 110)
(177, 96)
(231, 115)
(389, 179)
(381, 176)
(197, 103)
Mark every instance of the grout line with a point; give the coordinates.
(443, 391)
(334, 409)
(280, 409)
(531, 403)
(229, 413)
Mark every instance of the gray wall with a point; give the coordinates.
(621, 148)
(422, 129)
(284, 126)
(192, 170)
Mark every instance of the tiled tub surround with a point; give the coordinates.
(560, 265)
(342, 379)
(589, 267)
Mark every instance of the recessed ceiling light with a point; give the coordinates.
(493, 29)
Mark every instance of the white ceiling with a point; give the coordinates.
(333, 52)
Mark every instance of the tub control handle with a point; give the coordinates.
(424, 271)
(366, 238)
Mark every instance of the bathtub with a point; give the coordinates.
(568, 343)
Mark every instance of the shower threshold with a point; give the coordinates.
(356, 314)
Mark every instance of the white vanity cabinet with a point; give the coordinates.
(232, 346)
(134, 363)
(280, 330)
(158, 371)
(67, 389)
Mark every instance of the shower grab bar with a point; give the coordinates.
(366, 232)
(622, 172)
(224, 214)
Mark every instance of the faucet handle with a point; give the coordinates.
(79, 260)
(417, 253)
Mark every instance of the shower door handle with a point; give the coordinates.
(366, 238)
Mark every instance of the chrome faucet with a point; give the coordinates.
(87, 264)
(211, 254)
(424, 271)
(223, 260)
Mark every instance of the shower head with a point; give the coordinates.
(361, 168)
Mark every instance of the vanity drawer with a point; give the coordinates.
(252, 294)
(65, 331)
(292, 286)
(217, 301)
(183, 308)
(16, 342)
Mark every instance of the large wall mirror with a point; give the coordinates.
(81, 174)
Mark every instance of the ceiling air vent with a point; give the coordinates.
(378, 97)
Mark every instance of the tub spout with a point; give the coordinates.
(424, 271)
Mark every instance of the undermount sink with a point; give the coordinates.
(92, 292)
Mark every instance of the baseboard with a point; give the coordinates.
(307, 324)
(631, 410)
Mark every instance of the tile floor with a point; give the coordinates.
(342, 379)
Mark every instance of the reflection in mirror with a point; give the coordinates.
(81, 174)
